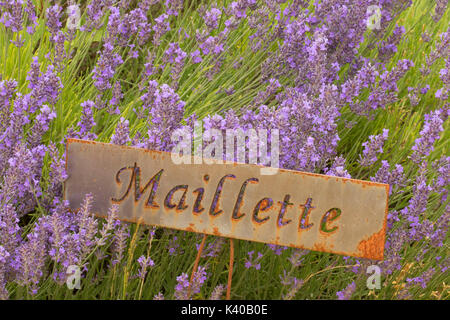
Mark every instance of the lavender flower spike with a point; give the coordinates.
(372, 147)
(346, 293)
(432, 127)
(122, 135)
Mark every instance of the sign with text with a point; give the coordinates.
(289, 208)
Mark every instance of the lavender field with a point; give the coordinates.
(351, 97)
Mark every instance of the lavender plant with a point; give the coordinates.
(348, 101)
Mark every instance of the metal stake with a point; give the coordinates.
(230, 269)
(197, 259)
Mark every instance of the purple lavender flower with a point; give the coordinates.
(57, 173)
(442, 167)
(166, 115)
(239, 8)
(158, 296)
(146, 4)
(425, 89)
(346, 293)
(105, 68)
(63, 240)
(269, 91)
(4, 257)
(108, 225)
(437, 53)
(438, 235)
(261, 23)
(34, 73)
(430, 132)
(13, 130)
(200, 276)
(212, 45)
(426, 37)
(119, 244)
(383, 174)
(309, 128)
(117, 97)
(211, 18)
(176, 57)
(196, 57)
(394, 178)
(439, 10)
(12, 17)
(7, 89)
(296, 258)
(386, 90)
(10, 123)
(389, 47)
(253, 262)
(114, 25)
(229, 91)
(417, 205)
(30, 259)
(121, 136)
(173, 246)
(423, 279)
(372, 147)
(41, 125)
(174, 7)
(73, 22)
(95, 11)
(394, 244)
(21, 178)
(87, 228)
(46, 89)
(148, 99)
(364, 78)
(182, 287)
(145, 263)
(444, 73)
(122, 27)
(9, 228)
(148, 69)
(160, 27)
(213, 248)
(217, 292)
(86, 122)
(413, 94)
(278, 250)
(60, 52)
(292, 283)
(53, 19)
(338, 168)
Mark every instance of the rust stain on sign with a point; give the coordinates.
(289, 208)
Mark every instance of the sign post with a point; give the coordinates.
(290, 208)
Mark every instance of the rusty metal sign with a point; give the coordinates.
(289, 208)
